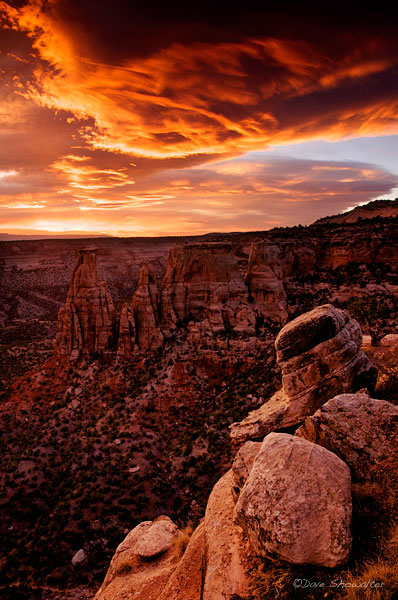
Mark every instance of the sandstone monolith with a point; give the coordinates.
(86, 324)
(320, 355)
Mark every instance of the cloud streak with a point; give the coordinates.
(103, 124)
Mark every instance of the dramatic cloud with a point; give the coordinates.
(103, 108)
(227, 196)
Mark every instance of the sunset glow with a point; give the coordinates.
(179, 133)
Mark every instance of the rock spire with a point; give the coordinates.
(86, 323)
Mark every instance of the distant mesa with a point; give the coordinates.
(377, 208)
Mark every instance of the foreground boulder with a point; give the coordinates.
(143, 562)
(186, 580)
(359, 429)
(242, 465)
(320, 355)
(148, 564)
(225, 575)
(86, 324)
(296, 503)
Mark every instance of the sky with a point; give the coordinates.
(137, 119)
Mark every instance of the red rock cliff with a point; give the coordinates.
(87, 321)
(203, 283)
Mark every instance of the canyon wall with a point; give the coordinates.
(221, 289)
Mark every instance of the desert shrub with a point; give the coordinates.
(272, 580)
(183, 541)
(368, 310)
(385, 360)
(382, 571)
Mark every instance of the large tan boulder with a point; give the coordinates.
(86, 324)
(143, 562)
(320, 355)
(359, 429)
(296, 503)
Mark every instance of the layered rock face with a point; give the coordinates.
(203, 283)
(139, 321)
(86, 324)
(265, 281)
(296, 503)
(359, 429)
(320, 355)
(202, 287)
(292, 257)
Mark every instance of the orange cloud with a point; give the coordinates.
(200, 98)
(93, 125)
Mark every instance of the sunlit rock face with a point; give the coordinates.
(139, 322)
(320, 355)
(86, 324)
(143, 562)
(296, 503)
(361, 430)
(203, 283)
(148, 564)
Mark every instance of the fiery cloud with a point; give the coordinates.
(97, 108)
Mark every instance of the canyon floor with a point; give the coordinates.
(91, 448)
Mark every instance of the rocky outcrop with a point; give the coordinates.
(296, 503)
(143, 562)
(242, 465)
(225, 575)
(186, 580)
(214, 565)
(127, 332)
(264, 280)
(139, 322)
(320, 355)
(391, 339)
(203, 284)
(359, 429)
(86, 324)
(148, 563)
